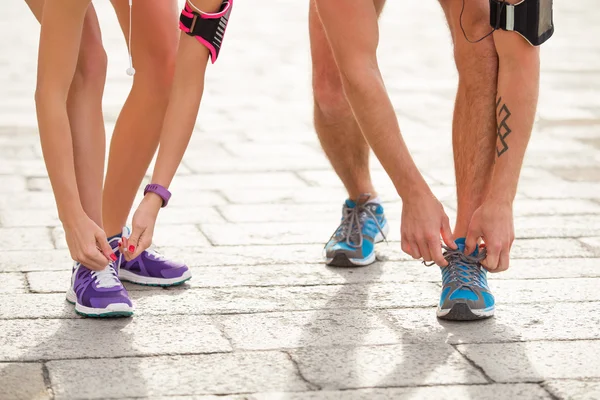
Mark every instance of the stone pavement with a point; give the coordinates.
(253, 204)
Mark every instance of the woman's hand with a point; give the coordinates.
(144, 220)
(87, 243)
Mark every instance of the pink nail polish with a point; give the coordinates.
(132, 248)
(113, 257)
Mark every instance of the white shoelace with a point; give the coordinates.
(107, 278)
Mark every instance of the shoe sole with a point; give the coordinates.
(127, 276)
(462, 312)
(112, 311)
(342, 260)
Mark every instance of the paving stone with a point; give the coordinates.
(447, 392)
(563, 190)
(529, 207)
(221, 181)
(544, 268)
(593, 243)
(54, 339)
(199, 198)
(512, 323)
(245, 300)
(31, 239)
(557, 227)
(39, 260)
(179, 235)
(12, 283)
(267, 233)
(392, 365)
(547, 290)
(536, 361)
(548, 248)
(319, 328)
(181, 375)
(12, 184)
(21, 218)
(20, 381)
(58, 282)
(572, 389)
(27, 201)
(188, 215)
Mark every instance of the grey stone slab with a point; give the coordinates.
(530, 207)
(200, 198)
(54, 339)
(544, 268)
(12, 283)
(563, 190)
(448, 392)
(547, 290)
(12, 184)
(180, 375)
(227, 180)
(179, 235)
(536, 361)
(25, 239)
(557, 227)
(511, 323)
(188, 215)
(549, 248)
(261, 299)
(39, 260)
(381, 366)
(267, 233)
(27, 201)
(246, 255)
(318, 328)
(592, 243)
(59, 281)
(28, 305)
(574, 389)
(22, 381)
(22, 218)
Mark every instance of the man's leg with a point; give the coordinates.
(474, 123)
(137, 132)
(342, 140)
(338, 131)
(473, 139)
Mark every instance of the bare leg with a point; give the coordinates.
(137, 133)
(338, 131)
(84, 108)
(474, 124)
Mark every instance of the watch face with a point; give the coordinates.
(545, 16)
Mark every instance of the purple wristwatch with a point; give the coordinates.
(161, 191)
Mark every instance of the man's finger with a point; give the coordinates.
(504, 261)
(424, 250)
(435, 249)
(447, 235)
(414, 250)
(471, 241)
(491, 259)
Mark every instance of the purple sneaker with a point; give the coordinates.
(98, 293)
(151, 269)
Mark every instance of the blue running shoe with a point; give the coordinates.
(465, 292)
(353, 242)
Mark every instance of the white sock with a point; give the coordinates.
(376, 200)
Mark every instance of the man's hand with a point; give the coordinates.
(493, 222)
(87, 243)
(423, 221)
(144, 220)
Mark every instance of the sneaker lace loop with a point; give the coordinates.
(464, 269)
(350, 229)
(107, 278)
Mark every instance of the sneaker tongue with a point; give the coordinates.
(350, 204)
(460, 242)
